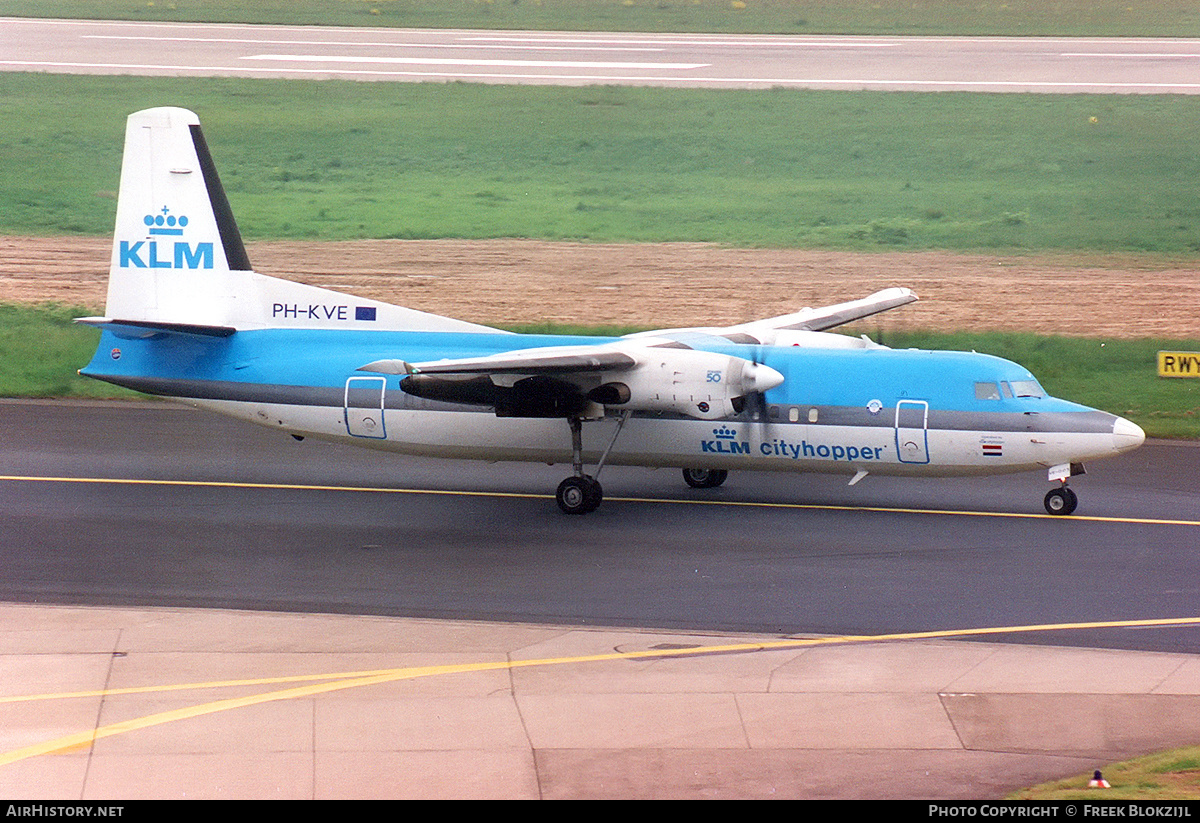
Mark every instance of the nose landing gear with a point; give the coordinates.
(1061, 501)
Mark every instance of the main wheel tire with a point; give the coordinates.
(1061, 501)
(595, 492)
(579, 495)
(704, 478)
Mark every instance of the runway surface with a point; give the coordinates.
(997, 64)
(209, 512)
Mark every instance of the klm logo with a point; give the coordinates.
(165, 254)
(724, 442)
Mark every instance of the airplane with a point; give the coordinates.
(188, 318)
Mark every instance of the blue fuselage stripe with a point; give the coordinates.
(311, 367)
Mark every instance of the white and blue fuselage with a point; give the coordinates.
(883, 411)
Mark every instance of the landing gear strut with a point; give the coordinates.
(1061, 500)
(581, 493)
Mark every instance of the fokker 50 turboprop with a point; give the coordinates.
(186, 317)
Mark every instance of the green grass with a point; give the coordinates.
(42, 349)
(1121, 18)
(1170, 775)
(785, 168)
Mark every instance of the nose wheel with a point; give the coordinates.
(1061, 501)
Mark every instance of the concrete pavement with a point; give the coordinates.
(178, 703)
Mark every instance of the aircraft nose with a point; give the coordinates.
(1127, 435)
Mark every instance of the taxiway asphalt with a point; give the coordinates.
(157, 504)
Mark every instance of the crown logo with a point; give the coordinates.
(725, 433)
(165, 223)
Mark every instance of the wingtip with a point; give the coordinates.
(895, 293)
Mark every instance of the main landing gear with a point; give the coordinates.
(581, 493)
(704, 478)
(1061, 500)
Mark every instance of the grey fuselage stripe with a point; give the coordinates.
(1085, 421)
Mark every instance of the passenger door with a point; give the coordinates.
(912, 431)
(363, 407)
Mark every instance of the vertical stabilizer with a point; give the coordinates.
(176, 242)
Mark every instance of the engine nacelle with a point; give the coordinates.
(704, 385)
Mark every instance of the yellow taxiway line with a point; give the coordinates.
(222, 484)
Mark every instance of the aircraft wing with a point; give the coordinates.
(555, 360)
(831, 316)
(664, 371)
(766, 331)
(565, 381)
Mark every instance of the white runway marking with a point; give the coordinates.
(753, 42)
(1137, 54)
(364, 44)
(456, 61)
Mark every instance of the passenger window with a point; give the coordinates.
(987, 391)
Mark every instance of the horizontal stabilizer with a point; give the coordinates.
(134, 329)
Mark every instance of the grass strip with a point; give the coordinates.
(1169, 775)
(777, 168)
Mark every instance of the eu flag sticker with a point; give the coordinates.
(364, 312)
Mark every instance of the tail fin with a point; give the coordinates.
(178, 260)
(176, 242)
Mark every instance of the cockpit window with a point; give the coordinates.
(1027, 388)
(987, 391)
